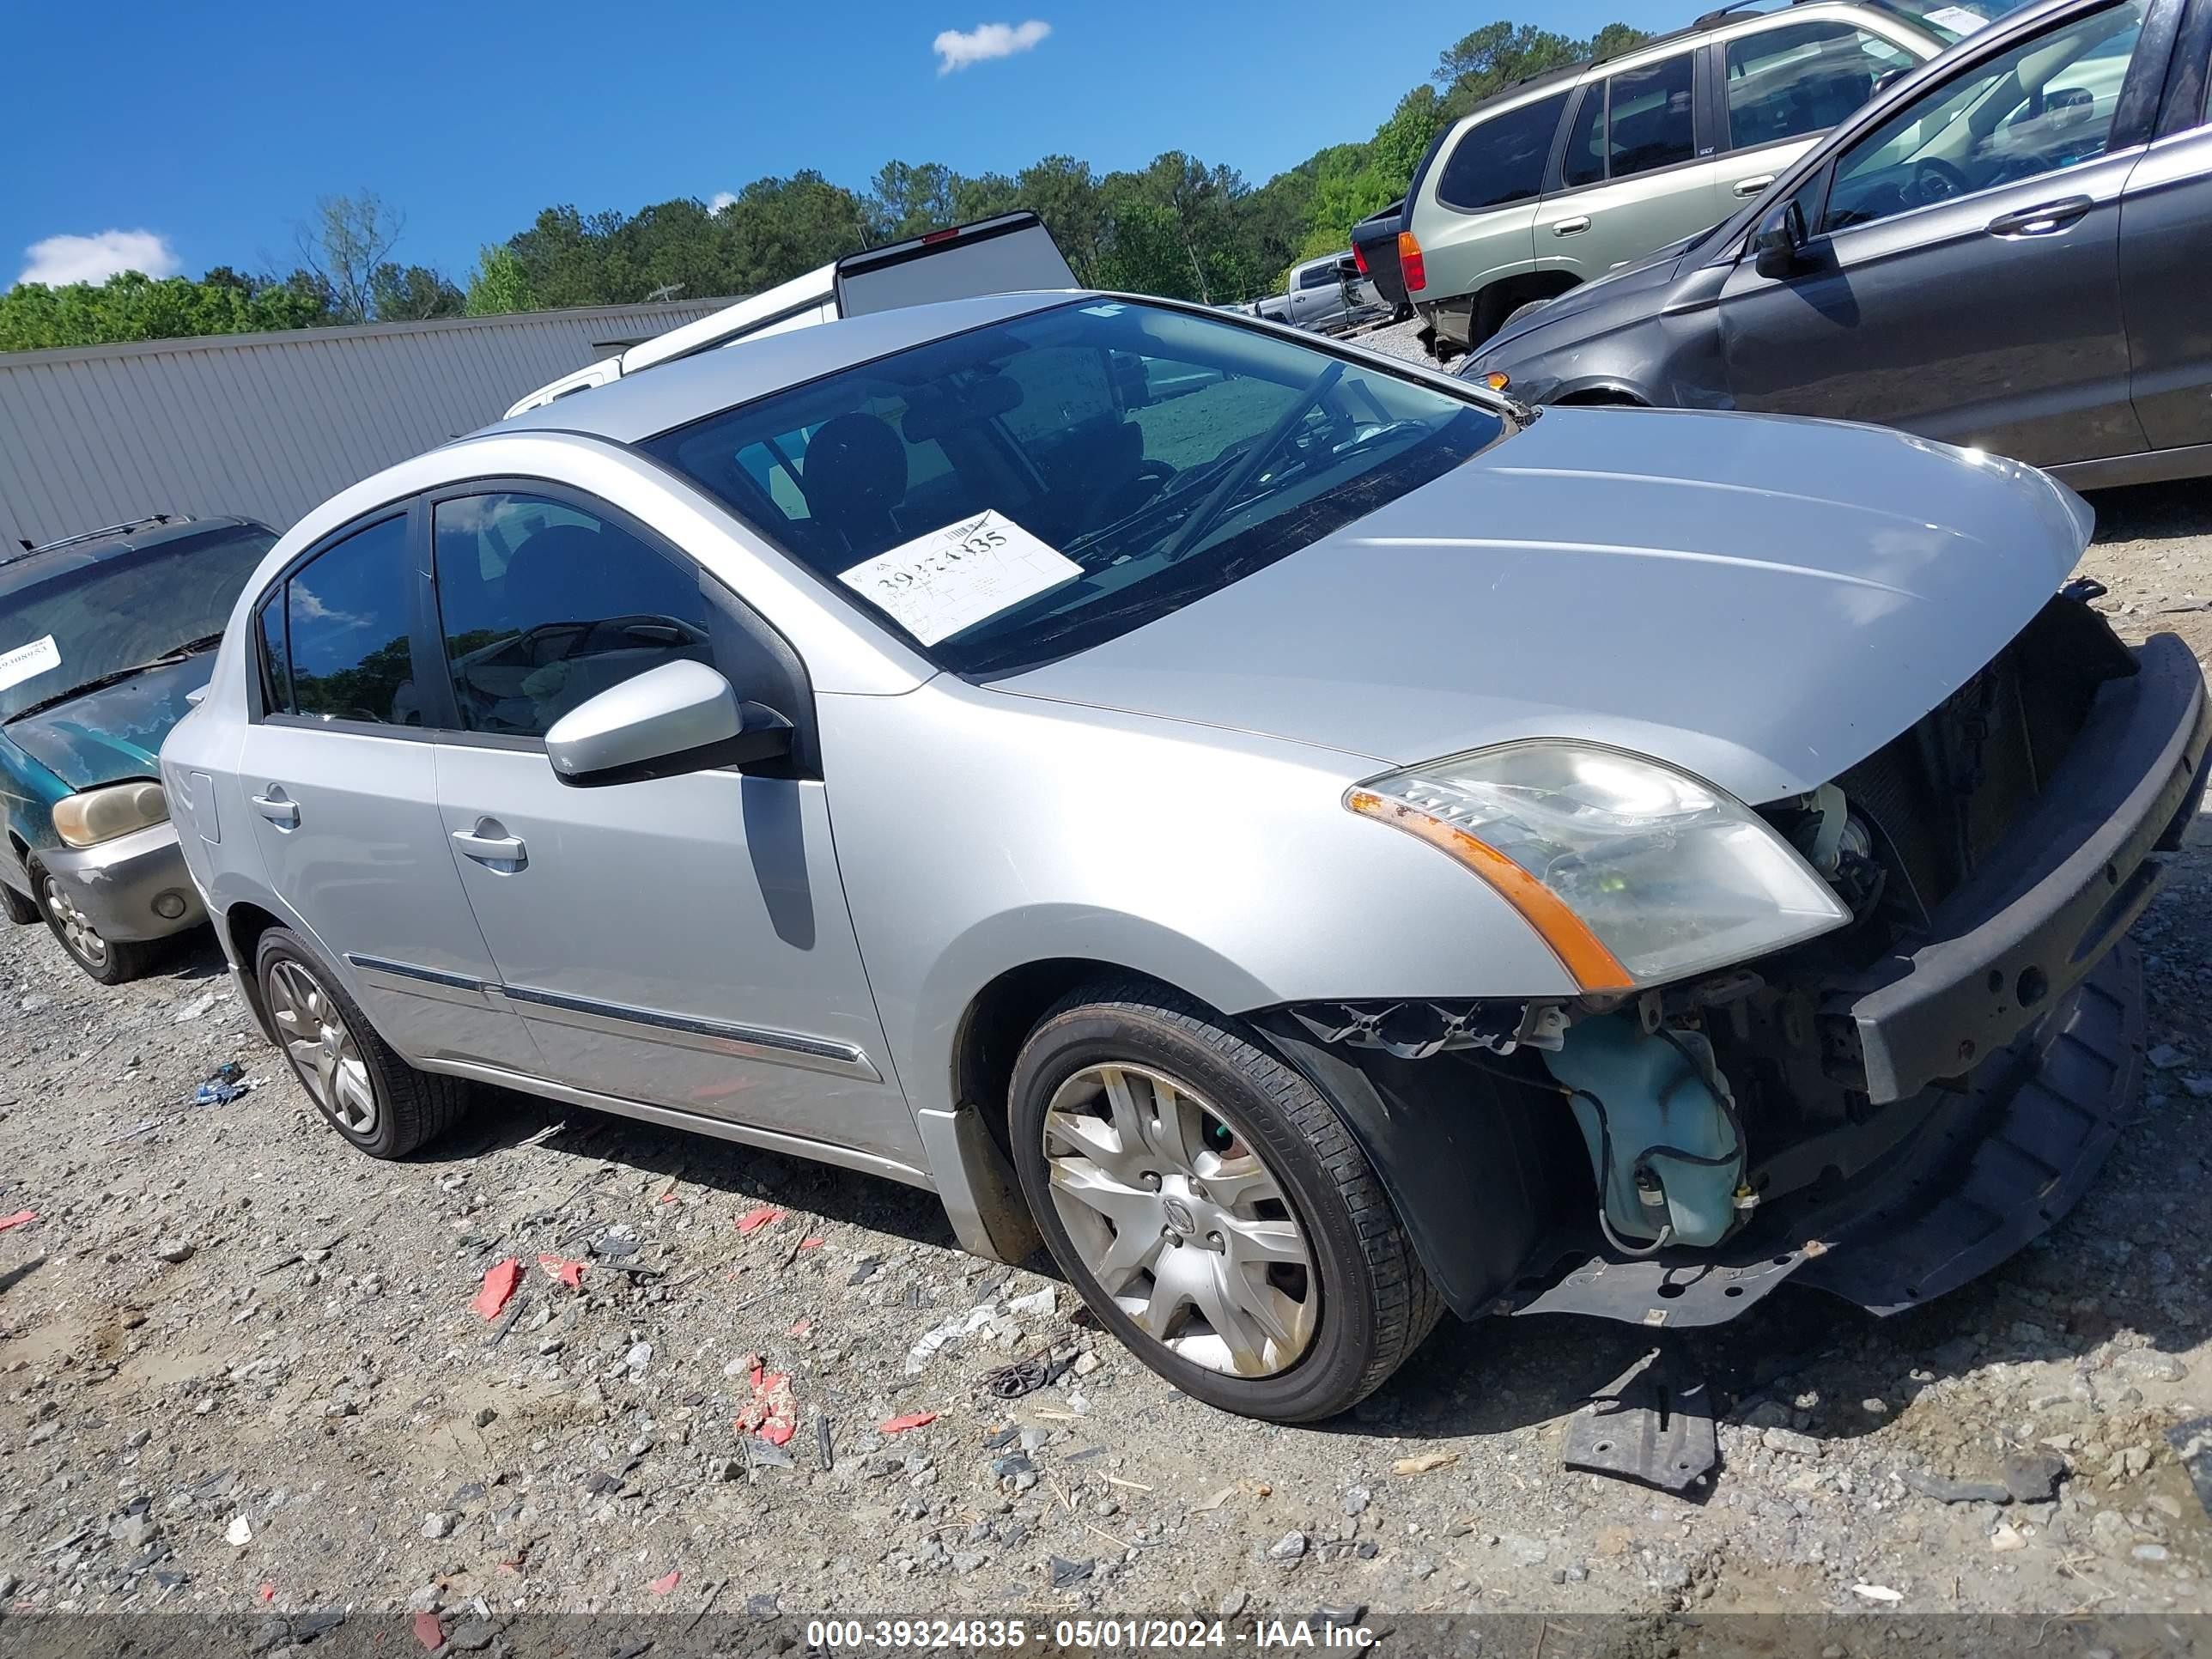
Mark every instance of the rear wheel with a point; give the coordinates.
(112, 962)
(1209, 1206)
(359, 1082)
(21, 908)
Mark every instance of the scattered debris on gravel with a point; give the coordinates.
(245, 1369)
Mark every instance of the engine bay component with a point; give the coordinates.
(1666, 1143)
(1417, 1029)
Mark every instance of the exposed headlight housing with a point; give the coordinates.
(99, 815)
(1635, 874)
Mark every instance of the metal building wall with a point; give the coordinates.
(269, 425)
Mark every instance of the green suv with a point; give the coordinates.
(1571, 175)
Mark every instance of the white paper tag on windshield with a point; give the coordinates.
(27, 661)
(936, 585)
(1959, 18)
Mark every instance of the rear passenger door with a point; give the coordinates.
(682, 942)
(1636, 171)
(339, 773)
(1783, 85)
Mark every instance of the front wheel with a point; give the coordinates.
(1210, 1206)
(110, 961)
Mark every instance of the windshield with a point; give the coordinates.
(98, 616)
(1951, 24)
(1026, 490)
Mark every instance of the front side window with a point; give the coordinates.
(1220, 450)
(346, 624)
(2046, 104)
(1649, 117)
(543, 605)
(1501, 161)
(1802, 78)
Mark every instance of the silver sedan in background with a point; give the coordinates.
(1315, 841)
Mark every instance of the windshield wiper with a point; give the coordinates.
(1211, 509)
(190, 647)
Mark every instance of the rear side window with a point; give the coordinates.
(343, 654)
(1584, 163)
(1802, 77)
(1649, 122)
(1317, 277)
(1501, 161)
(543, 605)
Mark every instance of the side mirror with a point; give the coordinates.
(678, 718)
(1779, 245)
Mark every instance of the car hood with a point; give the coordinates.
(116, 732)
(1760, 601)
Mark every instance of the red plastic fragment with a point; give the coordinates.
(813, 1243)
(772, 1413)
(910, 1420)
(753, 1220)
(21, 1218)
(499, 1283)
(667, 1581)
(801, 1327)
(429, 1633)
(268, 1593)
(568, 1273)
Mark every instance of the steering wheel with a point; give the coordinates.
(1935, 180)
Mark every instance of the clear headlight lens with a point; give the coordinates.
(1634, 874)
(99, 815)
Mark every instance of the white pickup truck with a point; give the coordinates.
(1009, 254)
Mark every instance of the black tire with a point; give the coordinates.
(1375, 1302)
(412, 1108)
(112, 962)
(22, 909)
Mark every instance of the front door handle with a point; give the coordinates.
(496, 848)
(1574, 227)
(2044, 220)
(1752, 186)
(279, 810)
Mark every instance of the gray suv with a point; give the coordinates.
(1194, 827)
(2007, 251)
(1569, 176)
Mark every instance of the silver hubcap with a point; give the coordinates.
(321, 1047)
(77, 929)
(1179, 1221)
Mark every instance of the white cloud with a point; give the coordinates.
(720, 199)
(956, 50)
(62, 260)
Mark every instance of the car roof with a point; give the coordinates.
(668, 395)
(24, 571)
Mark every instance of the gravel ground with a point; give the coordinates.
(239, 1369)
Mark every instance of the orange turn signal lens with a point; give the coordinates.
(1497, 379)
(1582, 952)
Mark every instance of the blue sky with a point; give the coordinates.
(214, 133)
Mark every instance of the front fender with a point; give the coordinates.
(979, 832)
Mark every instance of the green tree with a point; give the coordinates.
(412, 294)
(498, 285)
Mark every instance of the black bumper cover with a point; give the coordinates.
(2075, 874)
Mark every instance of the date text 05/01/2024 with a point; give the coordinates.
(1166, 1635)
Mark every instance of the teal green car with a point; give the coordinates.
(105, 638)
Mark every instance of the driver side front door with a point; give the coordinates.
(1963, 278)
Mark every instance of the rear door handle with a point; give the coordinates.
(2044, 220)
(1571, 227)
(496, 848)
(275, 806)
(1754, 186)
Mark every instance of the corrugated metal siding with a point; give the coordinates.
(269, 425)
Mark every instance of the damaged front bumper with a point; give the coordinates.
(1992, 1055)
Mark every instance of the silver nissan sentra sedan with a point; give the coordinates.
(1317, 842)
